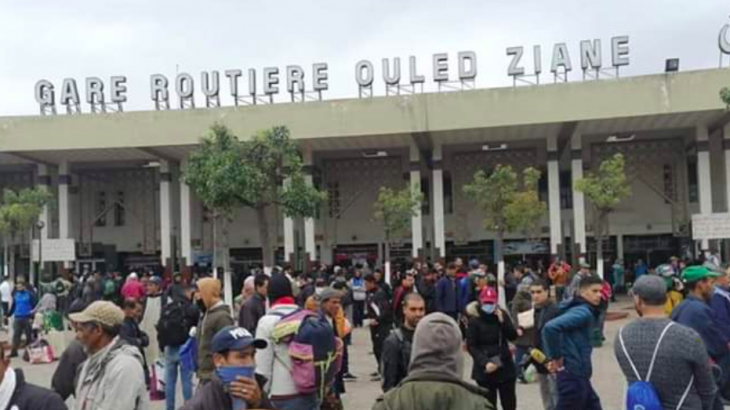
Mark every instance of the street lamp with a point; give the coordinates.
(40, 225)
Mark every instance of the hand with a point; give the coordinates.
(246, 389)
(373, 322)
(520, 332)
(500, 315)
(555, 365)
(491, 367)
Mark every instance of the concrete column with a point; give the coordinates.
(310, 246)
(553, 166)
(620, 246)
(186, 222)
(64, 181)
(704, 181)
(288, 235)
(44, 182)
(439, 239)
(726, 148)
(165, 217)
(579, 206)
(417, 219)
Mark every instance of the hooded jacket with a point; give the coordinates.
(30, 397)
(568, 336)
(112, 379)
(696, 314)
(434, 379)
(213, 396)
(488, 341)
(215, 319)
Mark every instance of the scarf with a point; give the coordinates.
(286, 300)
(7, 388)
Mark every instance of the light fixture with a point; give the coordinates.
(374, 154)
(618, 138)
(671, 65)
(500, 147)
(152, 164)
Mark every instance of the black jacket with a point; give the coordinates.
(64, 378)
(213, 396)
(378, 308)
(250, 313)
(132, 334)
(31, 397)
(428, 291)
(396, 357)
(488, 341)
(542, 316)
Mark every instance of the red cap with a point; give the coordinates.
(488, 296)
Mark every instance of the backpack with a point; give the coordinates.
(405, 347)
(641, 394)
(110, 288)
(314, 350)
(172, 328)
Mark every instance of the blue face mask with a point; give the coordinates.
(489, 309)
(228, 374)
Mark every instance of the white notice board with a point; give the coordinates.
(711, 226)
(55, 250)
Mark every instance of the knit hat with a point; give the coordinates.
(102, 312)
(279, 287)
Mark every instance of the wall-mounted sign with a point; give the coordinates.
(54, 250)
(710, 226)
(254, 86)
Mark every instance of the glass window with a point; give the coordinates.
(100, 208)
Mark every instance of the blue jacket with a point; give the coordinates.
(446, 301)
(697, 315)
(464, 295)
(720, 305)
(568, 336)
(23, 304)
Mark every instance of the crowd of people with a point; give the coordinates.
(284, 343)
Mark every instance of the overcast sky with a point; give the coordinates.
(136, 38)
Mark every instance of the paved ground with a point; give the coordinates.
(361, 394)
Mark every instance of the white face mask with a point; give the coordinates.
(319, 291)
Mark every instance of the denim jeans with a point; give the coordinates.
(309, 402)
(575, 392)
(22, 326)
(172, 363)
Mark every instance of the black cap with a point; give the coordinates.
(279, 287)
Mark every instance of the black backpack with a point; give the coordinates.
(173, 329)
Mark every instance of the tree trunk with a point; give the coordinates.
(215, 245)
(499, 249)
(266, 249)
(600, 232)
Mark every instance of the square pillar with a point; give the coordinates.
(310, 246)
(64, 181)
(186, 242)
(704, 181)
(553, 167)
(288, 234)
(44, 181)
(439, 239)
(417, 219)
(579, 205)
(726, 148)
(165, 217)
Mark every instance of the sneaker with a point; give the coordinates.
(14, 353)
(374, 374)
(375, 378)
(349, 376)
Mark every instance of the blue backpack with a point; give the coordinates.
(641, 394)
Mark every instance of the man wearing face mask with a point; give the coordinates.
(217, 316)
(487, 338)
(234, 385)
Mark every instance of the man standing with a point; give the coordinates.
(6, 296)
(567, 341)
(720, 303)
(151, 316)
(695, 313)
(427, 288)
(407, 283)
(545, 309)
(558, 274)
(130, 331)
(15, 393)
(397, 346)
(359, 294)
(679, 366)
(112, 377)
(379, 318)
(572, 289)
(435, 377)
(446, 301)
(331, 309)
(254, 308)
(217, 316)
(24, 301)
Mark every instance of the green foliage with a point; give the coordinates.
(20, 210)
(608, 187)
(507, 206)
(227, 173)
(725, 96)
(394, 209)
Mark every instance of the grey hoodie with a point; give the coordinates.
(113, 379)
(437, 347)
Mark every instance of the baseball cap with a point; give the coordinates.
(585, 265)
(329, 293)
(102, 312)
(235, 338)
(474, 264)
(650, 288)
(697, 273)
(488, 296)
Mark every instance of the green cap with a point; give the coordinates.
(696, 273)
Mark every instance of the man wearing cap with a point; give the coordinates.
(217, 316)
(151, 315)
(570, 291)
(112, 377)
(330, 307)
(681, 364)
(695, 313)
(234, 385)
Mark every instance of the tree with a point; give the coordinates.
(507, 206)
(395, 210)
(605, 190)
(258, 173)
(19, 212)
(725, 96)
